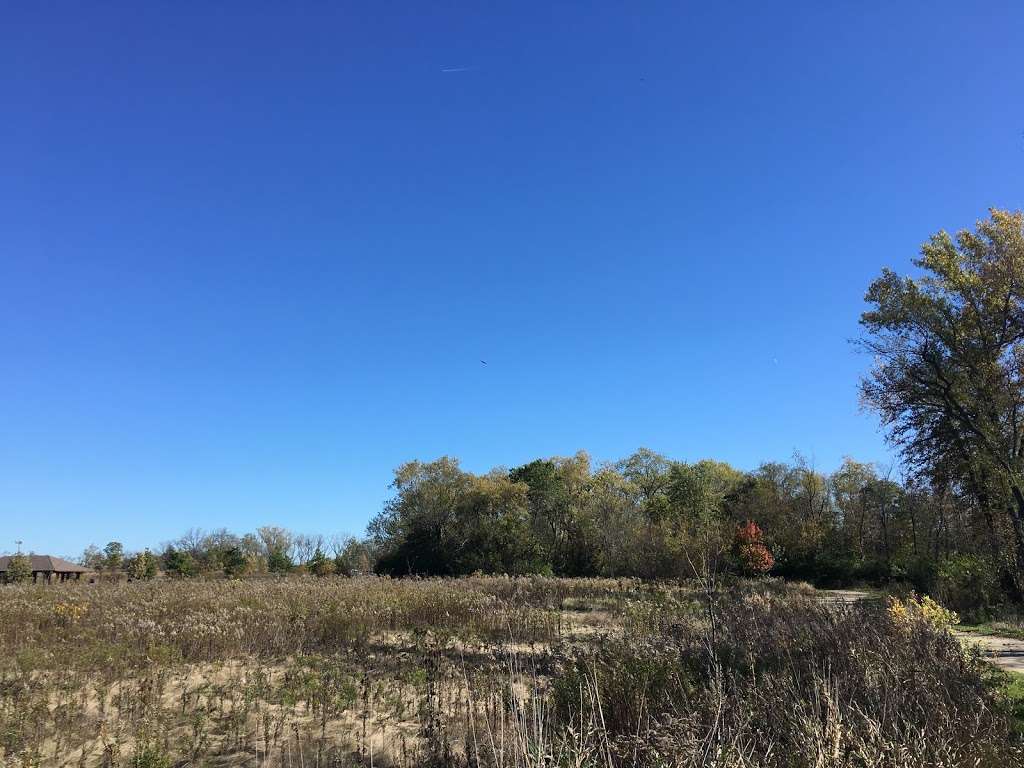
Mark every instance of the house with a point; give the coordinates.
(46, 568)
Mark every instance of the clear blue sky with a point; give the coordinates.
(252, 256)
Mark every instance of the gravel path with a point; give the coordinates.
(844, 595)
(1004, 652)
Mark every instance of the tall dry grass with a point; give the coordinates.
(484, 672)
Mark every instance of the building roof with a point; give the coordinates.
(45, 563)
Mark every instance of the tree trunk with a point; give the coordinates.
(1017, 519)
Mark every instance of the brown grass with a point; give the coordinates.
(481, 671)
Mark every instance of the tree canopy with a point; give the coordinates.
(947, 382)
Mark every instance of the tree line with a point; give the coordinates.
(653, 517)
(645, 516)
(269, 550)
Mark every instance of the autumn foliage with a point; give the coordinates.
(748, 545)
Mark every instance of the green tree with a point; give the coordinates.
(649, 475)
(319, 564)
(861, 528)
(492, 532)
(620, 521)
(19, 569)
(697, 492)
(948, 379)
(696, 521)
(233, 561)
(560, 515)
(279, 562)
(795, 506)
(444, 521)
(219, 550)
(142, 566)
(113, 556)
(177, 562)
(413, 532)
(548, 501)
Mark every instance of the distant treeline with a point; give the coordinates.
(652, 517)
(645, 516)
(270, 550)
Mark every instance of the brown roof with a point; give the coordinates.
(45, 563)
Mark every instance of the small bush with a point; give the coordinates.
(753, 556)
(912, 611)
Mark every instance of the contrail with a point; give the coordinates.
(457, 69)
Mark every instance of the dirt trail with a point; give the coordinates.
(844, 595)
(1005, 652)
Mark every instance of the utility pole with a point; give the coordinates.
(19, 543)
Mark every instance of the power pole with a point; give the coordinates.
(19, 543)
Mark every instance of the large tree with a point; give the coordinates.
(444, 521)
(558, 492)
(947, 380)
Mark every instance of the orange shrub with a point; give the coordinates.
(753, 556)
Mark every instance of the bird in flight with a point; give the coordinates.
(484, 362)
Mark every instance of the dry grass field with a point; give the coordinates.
(485, 671)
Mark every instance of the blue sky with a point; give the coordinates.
(251, 255)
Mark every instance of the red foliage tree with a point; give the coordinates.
(753, 556)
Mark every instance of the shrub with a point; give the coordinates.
(278, 561)
(913, 611)
(150, 756)
(753, 556)
(784, 681)
(233, 561)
